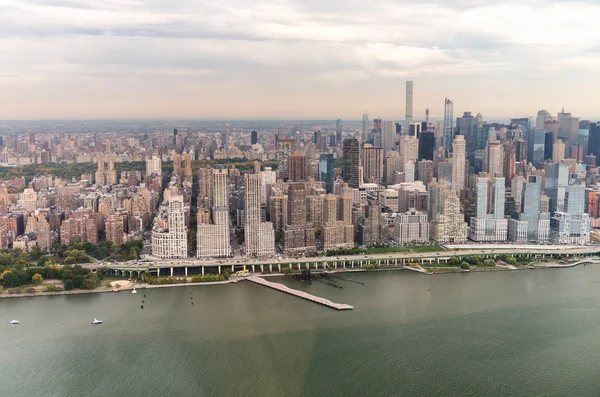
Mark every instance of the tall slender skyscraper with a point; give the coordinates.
(365, 128)
(459, 163)
(448, 125)
(351, 162)
(409, 103)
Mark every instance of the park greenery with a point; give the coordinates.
(75, 170)
(73, 277)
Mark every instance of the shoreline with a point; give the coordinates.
(235, 280)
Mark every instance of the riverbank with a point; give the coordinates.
(426, 270)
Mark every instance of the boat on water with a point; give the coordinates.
(134, 291)
(97, 321)
(14, 322)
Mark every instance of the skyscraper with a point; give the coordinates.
(286, 147)
(459, 164)
(227, 138)
(531, 223)
(489, 225)
(253, 137)
(447, 220)
(448, 125)
(366, 136)
(467, 126)
(297, 167)
(299, 235)
(326, 171)
(558, 151)
(351, 162)
(174, 136)
(372, 163)
(388, 136)
(594, 140)
(409, 102)
(426, 145)
(259, 236)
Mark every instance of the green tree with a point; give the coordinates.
(11, 280)
(512, 261)
(78, 281)
(489, 263)
(37, 278)
(465, 266)
(68, 285)
(88, 284)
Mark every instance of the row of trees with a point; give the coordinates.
(72, 276)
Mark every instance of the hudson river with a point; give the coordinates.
(519, 333)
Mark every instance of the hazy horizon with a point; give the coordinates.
(288, 59)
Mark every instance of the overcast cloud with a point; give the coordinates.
(292, 58)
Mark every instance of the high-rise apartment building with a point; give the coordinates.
(350, 172)
(459, 166)
(409, 102)
(259, 236)
(447, 224)
(573, 225)
(299, 235)
(372, 164)
(286, 148)
(489, 226)
(153, 165)
(213, 239)
(530, 224)
(171, 243)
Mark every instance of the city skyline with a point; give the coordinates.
(295, 60)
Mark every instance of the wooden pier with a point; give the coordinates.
(300, 294)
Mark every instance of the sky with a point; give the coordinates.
(326, 59)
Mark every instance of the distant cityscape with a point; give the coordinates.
(260, 189)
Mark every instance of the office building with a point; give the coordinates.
(366, 133)
(286, 148)
(326, 171)
(253, 137)
(350, 173)
(426, 145)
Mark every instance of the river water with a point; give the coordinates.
(519, 333)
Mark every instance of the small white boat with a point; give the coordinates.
(14, 322)
(134, 291)
(97, 321)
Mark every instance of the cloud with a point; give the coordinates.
(307, 47)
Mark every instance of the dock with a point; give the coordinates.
(300, 294)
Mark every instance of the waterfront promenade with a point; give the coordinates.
(300, 294)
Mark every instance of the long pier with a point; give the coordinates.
(300, 294)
